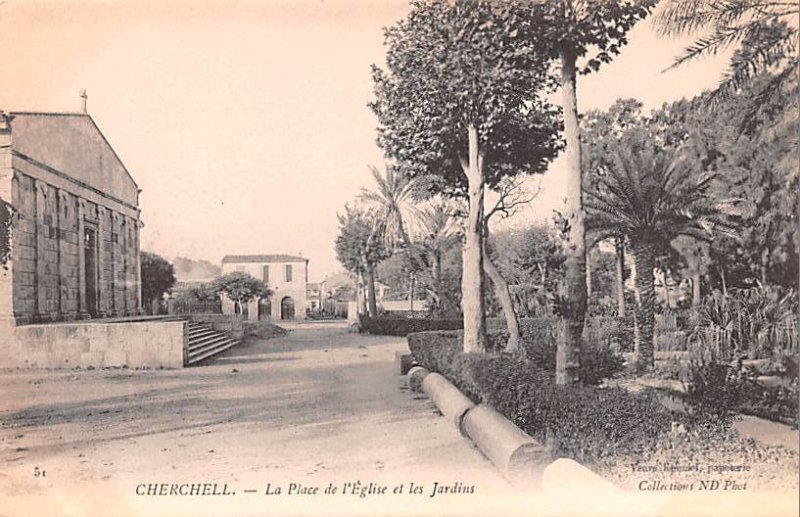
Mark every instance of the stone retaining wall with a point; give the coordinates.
(99, 344)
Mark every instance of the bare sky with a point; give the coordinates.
(245, 123)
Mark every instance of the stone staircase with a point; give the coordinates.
(205, 342)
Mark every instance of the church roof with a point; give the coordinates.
(71, 144)
(240, 259)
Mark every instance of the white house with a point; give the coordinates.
(285, 275)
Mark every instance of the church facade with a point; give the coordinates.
(75, 223)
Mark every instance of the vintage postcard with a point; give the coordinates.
(389, 257)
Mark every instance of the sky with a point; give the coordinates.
(245, 123)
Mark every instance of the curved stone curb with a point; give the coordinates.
(415, 377)
(449, 399)
(523, 461)
(520, 458)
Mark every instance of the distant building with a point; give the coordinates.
(313, 297)
(75, 237)
(285, 275)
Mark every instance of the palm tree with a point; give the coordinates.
(391, 199)
(651, 197)
(765, 32)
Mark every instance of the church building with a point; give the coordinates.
(75, 223)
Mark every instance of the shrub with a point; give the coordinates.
(435, 350)
(538, 345)
(723, 390)
(392, 326)
(586, 423)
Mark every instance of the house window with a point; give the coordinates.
(265, 274)
(287, 272)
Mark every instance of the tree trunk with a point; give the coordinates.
(472, 278)
(372, 305)
(504, 296)
(411, 293)
(722, 279)
(619, 244)
(588, 275)
(360, 294)
(645, 304)
(696, 298)
(573, 285)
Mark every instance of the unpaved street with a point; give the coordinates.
(320, 405)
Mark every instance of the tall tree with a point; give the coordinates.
(600, 135)
(460, 100)
(390, 199)
(439, 234)
(573, 28)
(360, 247)
(652, 197)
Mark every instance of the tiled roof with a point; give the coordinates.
(239, 259)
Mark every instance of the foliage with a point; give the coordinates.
(460, 100)
(359, 245)
(723, 390)
(203, 292)
(435, 350)
(531, 259)
(240, 287)
(453, 65)
(764, 33)
(6, 218)
(598, 359)
(585, 423)
(577, 27)
(395, 326)
(759, 322)
(158, 276)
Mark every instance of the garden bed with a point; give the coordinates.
(610, 430)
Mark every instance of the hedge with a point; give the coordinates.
(435, 350)
(393, 326)
(591, 425)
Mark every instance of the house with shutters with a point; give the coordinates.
(285, 275)
(75, 222)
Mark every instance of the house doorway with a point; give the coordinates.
(287, 308)
(90, 268)
(265, 309)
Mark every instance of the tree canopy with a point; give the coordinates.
(158, 276)
(449, 66)
(240, 287)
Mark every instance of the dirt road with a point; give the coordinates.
(319, 407)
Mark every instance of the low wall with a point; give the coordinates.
(99, 344)
(230, 324)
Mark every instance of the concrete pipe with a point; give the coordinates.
(520, 458)
(450, 401)
(568, 475)
(415, 377)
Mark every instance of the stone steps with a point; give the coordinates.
(205, 342)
